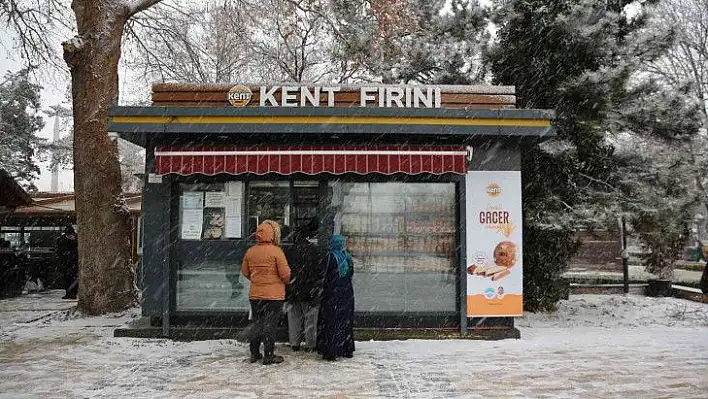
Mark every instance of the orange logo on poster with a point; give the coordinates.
(493, 190)
(240, 96)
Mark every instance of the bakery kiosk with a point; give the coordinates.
(424, 181)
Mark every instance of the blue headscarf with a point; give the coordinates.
(337, 244)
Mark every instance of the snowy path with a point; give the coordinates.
(560, 356)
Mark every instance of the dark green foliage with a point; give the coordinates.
(658, 174)
(664, 233)
(543, 286)
(575, 57)
(19, 124)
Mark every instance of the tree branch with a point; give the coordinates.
(137, 6)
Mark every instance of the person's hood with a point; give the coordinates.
(268, 231)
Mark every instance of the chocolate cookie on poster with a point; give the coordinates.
(505, 254)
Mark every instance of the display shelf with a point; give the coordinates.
(372, 254)
(407, 214)
(392, 195)
(364, 234)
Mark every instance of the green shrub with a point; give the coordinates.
(546, 255)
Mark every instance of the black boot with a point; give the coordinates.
(255, 357)
(272, 359)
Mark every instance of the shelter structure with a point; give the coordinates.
(424, 181)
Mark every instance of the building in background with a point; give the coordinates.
(33, 229)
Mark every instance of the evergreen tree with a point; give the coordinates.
(19, 123)
(657, 171)
(576, 57)
(418, 41)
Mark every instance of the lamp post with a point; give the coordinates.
(625, 254)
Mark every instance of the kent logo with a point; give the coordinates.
(493, 190)
(239, 96)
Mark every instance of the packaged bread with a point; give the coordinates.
(493, 270)
(480, 269)
(501, 275)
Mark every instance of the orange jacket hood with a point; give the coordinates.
(268, 231)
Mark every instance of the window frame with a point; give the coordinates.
(377, 318)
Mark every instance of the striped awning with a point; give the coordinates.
(385, 160)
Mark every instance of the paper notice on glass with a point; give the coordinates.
(233, 207)
(234, 189)
(192, 220)
(233, 218)
(193, 200)
(214, 199)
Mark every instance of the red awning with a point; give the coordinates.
(310, 160)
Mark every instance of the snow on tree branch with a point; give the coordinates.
(36, 27)
(137, 6)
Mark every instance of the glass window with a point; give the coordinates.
(211, 211)
(210, 281)
(268, 200)
(402, 239)
(139, 235)
(306, 200)
(9, 238)
(199, 220)
(42, 238)
(208, 263)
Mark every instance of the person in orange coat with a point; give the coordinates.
(266, 267)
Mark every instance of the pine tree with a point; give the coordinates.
(576, 57)
(657, 171)
(412, 41)
(19, 124)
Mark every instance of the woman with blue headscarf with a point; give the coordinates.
(335, 330)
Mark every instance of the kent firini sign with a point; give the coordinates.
(324, 96)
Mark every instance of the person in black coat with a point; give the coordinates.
(704, 280)
(335, 332)
(305, 290)
(68, 253)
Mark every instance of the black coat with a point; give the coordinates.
(306, 272)
(335, 326)
(68, 253)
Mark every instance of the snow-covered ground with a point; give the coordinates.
(594, 346)
(636, 273)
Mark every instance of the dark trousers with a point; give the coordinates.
(265, 321)
(71, 281)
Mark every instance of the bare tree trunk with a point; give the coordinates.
(106, 273)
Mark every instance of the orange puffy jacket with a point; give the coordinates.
(265, 265)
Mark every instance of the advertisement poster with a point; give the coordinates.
(213, 223)
(494, 253)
